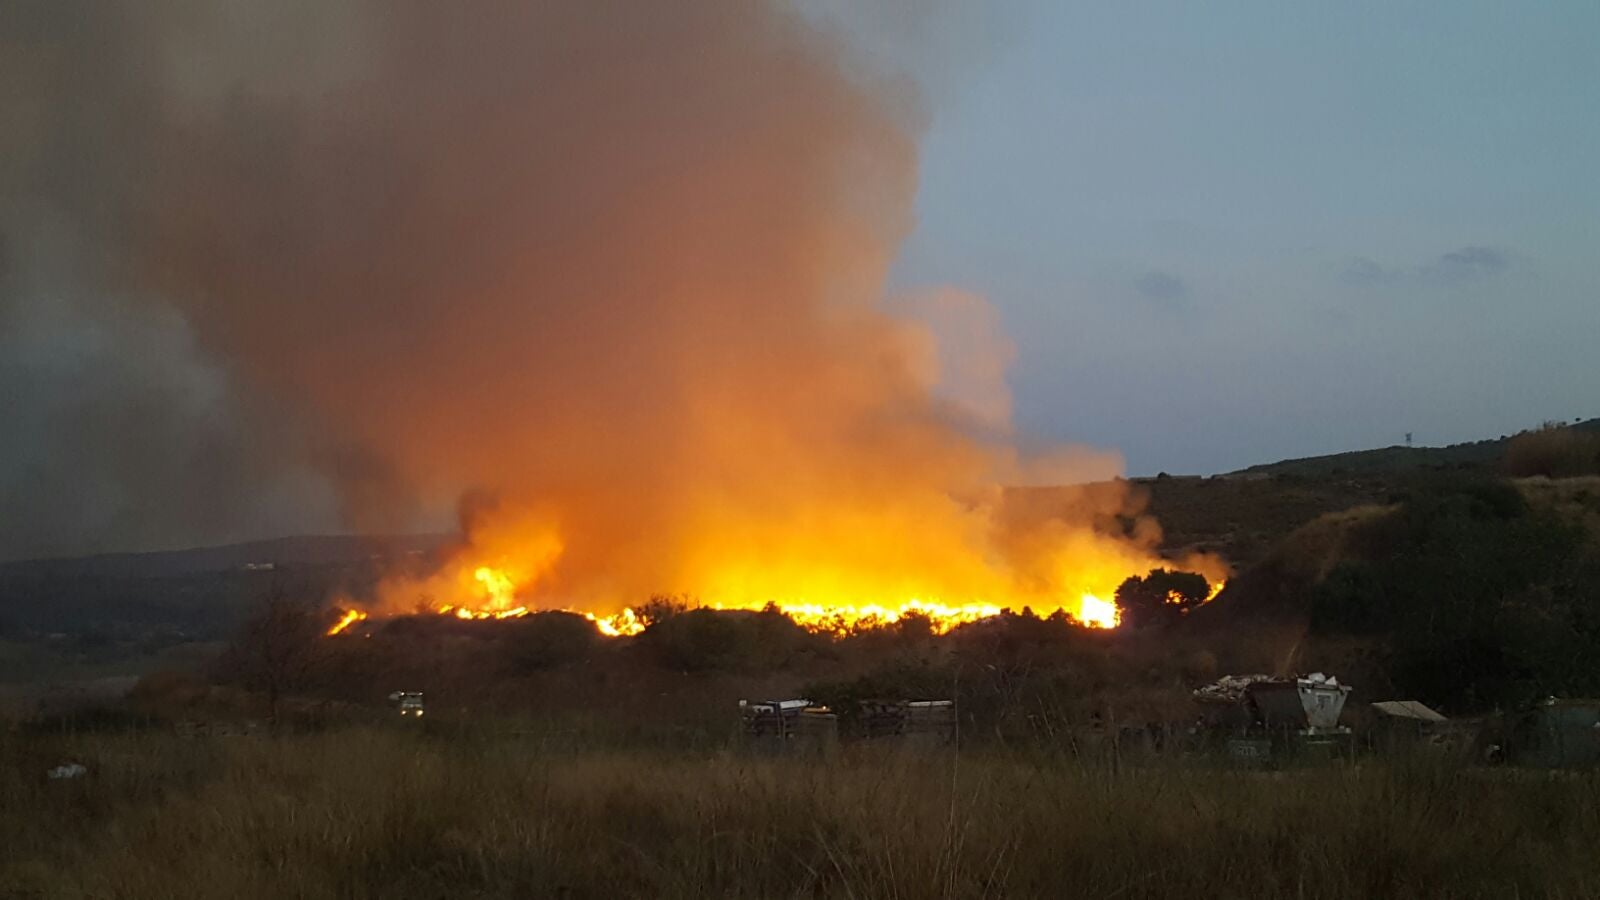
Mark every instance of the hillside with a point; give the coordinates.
(305, 550)
(1243, 519)
(202, 593)
(156, 599)
(1395, 460)
(1469, 593)
(1281, 584)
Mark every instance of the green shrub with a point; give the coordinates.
(707, 640)
(1468, 586)
(547, 640)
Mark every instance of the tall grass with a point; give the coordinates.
(1554, 451)
(371, 813)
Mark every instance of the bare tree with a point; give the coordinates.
(277, 651)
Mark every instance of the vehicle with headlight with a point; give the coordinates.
(408, 702)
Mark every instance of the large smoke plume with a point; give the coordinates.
(606, 275)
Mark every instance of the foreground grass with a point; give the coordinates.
(400, 815)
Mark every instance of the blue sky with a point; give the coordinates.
(1228, 233)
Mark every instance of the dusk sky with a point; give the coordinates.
(1223, 234)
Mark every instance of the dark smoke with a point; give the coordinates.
(116, 431)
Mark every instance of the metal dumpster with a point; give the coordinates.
(1256, 719)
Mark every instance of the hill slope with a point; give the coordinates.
(200, 593)
(306, 550)
(1395, 460)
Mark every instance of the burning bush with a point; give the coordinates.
(661, 607)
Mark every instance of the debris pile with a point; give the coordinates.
(1227, 689)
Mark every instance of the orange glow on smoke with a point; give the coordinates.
(831, 565)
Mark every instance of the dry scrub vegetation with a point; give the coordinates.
(375, 813)
(1553, 451)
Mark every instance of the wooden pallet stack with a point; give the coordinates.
(930, 723)
(788, 726)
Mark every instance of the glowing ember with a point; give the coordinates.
(839, 617)
(350, 617)
(461, 612)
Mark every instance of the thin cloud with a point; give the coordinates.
(1162, 287)
(1466, 265)
(1364, 272)
(1469, 264)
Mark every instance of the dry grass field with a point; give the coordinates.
(378, 813)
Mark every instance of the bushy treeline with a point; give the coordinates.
(1475, 598)
(1016, 676)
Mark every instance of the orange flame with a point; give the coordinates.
(350, 617)
(836, 569)
(500, 593)
(1097, 613)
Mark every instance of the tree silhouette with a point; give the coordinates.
(1161, 597)
(277, 651)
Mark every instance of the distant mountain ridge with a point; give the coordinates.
(1397, 459)
(302, 550)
